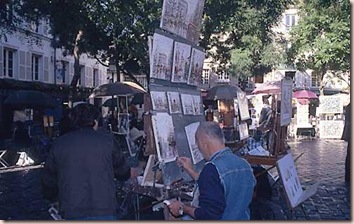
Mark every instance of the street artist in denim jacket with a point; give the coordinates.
(225, 183)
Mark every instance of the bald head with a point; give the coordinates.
(210, 130)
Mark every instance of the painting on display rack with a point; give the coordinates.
(183, 18)
(162, 50)
(159, 101)
(331, 129)
(331, 105)
(196, 67)
(174, 102)
(196, 105)
(187, 104)
(164, 137)
(286, 101)
(243, 106)
(181, 60)
(193, 147)
(243, 130)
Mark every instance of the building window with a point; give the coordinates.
(33, 26)
(205, 76)
(289, 21)
(8, 62)
(35, 67)
(223, 77)
(82, 75)
(315, 80)
(95, 77)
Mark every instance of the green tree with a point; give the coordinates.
(246, 26)
(321, 40)
(106, 29)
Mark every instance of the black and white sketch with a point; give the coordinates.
(164, 137)
(286, 101)
(187, 104)
(331, 104)
(196, 67)
(243, 106)
(181, 61)
(174, 102)
(196, 105)
(183, 18)
(331, 129)
(243, 130)
(162, 50)
(193, 147)
(287, 170)
(159, 101)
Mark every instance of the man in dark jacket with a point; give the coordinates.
(80, 169)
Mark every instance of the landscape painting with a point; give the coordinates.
(187, 104)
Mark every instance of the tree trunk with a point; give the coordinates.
(77, 70)
(322, 74)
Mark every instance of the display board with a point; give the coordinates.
(291, 183)
(176, 66)
(176, 131)
(286, 98)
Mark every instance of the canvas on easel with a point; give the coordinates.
(149, 176)
(293, 190)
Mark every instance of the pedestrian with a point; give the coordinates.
(346, 137)
(80, 169)
(225, 184)
(265, 121)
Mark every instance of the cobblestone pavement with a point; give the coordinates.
(322, 161)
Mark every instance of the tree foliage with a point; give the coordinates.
(246, 26)
(321, 40)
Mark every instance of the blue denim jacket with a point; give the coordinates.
(238, 180)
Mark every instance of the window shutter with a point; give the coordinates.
(71, 73)
(22, 65)
(1, 61)
(28, 73)
(45, 69)
(89, 77)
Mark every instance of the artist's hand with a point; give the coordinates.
(135, 171)
(174, 208)
(185, 163)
